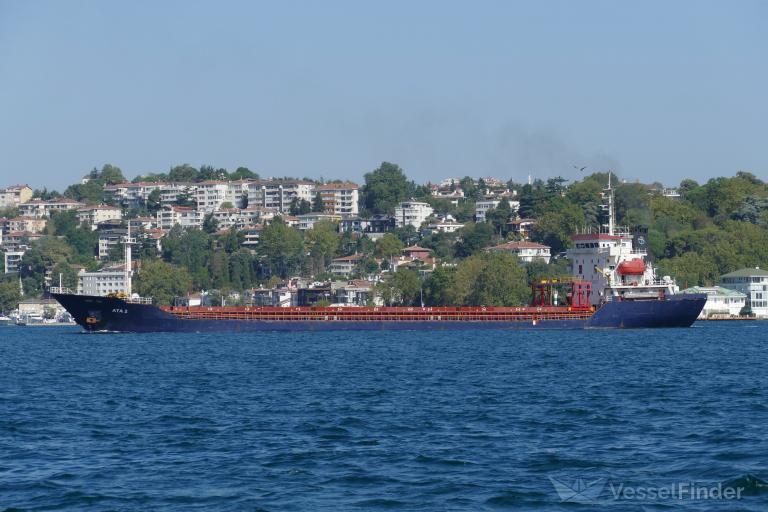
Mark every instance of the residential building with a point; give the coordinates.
(525, 251)
(445, 226)
(308, 220)
(521, 227)
(339, 198)
(211, 195)
(416, 252)
(345, 265)
(42, 209)
(28, 224)
(139, 223)
(278, 194)
(15, 195)
(236, 218)
(110, 238)
(12, 259)
(185, 216)
(131, 195)
(18, 240)
(93, 215)
(171, 193)
(454, 196)
(374, 227)
(752, 282)
(104, 282)
(357, 292)
(251, 234)
(482, 207)
(412, 213)
(721, 302)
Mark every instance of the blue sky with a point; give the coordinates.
(658, 91)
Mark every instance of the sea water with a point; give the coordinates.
(538, 420)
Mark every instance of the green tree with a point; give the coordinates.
(162, 281)
(243, 173)
(9, 296)
(317, 203)
(438, 287)
(555, 229)
(282, 248)
(402, 288)
(473, 238)
(384, 188)
(388, 246)
(183, 173)
(323, 244)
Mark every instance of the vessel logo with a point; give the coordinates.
(580, 491)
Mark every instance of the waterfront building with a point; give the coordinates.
(339, 198)
(721, 302)
(752, 282)
(412, 213)
(42, 209)
(94, 215)
(103, 282)
(236, 217)
(15, 195)
(525, 251)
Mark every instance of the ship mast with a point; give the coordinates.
(128, 242)
(611, 210)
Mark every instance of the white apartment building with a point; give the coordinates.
(412, 213)
(345, 265)
(12, 259)
(42, 209)
(210, 195)
(13, 196)
(340, 198)
(93, 215)
(131, 195)
(720, 301)
(110, 238)
(525, 251)
(278, 194)
(236, 217)
(26, 224)
(308, 220)
(185, 216)
(752, 282)
(103, 282)
(445, 226)
(482, 207)
(170, 192)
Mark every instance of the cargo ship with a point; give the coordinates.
(613, 285)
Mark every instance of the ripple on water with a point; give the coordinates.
(380, 420)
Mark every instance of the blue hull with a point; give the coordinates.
(116, 315)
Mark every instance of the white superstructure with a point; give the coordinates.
(616, 262)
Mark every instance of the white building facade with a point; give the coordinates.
(753, 283)
(412, 213)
